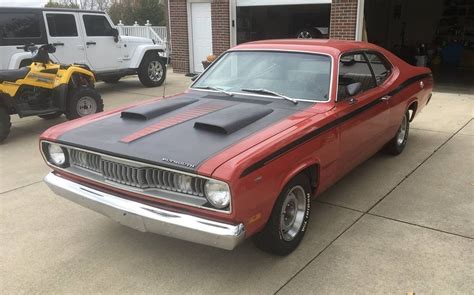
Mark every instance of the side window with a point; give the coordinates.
(380, 67)
(19, 25)
(97, 25)
(61, 25)
(353, 68)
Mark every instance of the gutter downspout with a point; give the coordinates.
(360, 20)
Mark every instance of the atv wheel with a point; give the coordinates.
(289, 219)
(51, 116)
(5, 124)
(83, 102)
(111, 79)
(308, 33)
(152, 71)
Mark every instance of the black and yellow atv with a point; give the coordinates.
(47, 90)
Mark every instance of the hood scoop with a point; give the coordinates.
(231, 119)
(150, 111)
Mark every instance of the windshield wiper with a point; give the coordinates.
(215, 89)
(265, 91)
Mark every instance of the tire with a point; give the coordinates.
(397, 144)
(112, 79)
(152, 71)
(5, 124)
(308, 33)
(51, 116)
(288, 221)
(82, 102)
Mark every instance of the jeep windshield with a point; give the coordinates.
(300, 76)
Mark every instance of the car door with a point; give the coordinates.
(102, 52)
(64, 33)
(364, 115)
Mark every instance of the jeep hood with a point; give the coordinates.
(138, 40)
(184, 131)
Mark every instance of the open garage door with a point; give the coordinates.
(434, 33)
(275, 19)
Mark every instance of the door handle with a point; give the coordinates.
(352, 100)
(58, 44)
(385, 98)
(91, 43)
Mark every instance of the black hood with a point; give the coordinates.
(183, 131)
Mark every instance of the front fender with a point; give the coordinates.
(140, 52)
(17, 58)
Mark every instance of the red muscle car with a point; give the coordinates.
(265, 128)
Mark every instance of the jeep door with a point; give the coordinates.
(65, 34)
(103, 53)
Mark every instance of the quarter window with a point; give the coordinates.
(61, 25)
(379, 66)
(97, 25)
(19, 25)
(354, 68)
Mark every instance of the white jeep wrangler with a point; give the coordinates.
(80, 37)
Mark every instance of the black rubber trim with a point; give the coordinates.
(328, 126)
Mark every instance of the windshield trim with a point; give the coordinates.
(270, 96)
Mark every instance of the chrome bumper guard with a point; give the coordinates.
(146, 218)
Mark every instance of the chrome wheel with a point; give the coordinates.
(292, 213)
(86, 106)
(402, 132)
(155, 71)
(304, 35)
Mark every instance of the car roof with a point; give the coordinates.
(325, 46)
(40, 9)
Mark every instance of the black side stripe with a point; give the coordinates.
(324, 128)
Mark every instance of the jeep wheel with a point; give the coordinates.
(289, 219)
(51, 116)
(152, 71)
(398, 143)
(5, 124)
(111, 79)
(83, 102)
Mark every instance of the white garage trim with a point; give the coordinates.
(279, 2)
(360, 20)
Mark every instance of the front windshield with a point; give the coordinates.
(296, 75)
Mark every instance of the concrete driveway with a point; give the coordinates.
(393, 225)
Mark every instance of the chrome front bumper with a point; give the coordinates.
(147, 218)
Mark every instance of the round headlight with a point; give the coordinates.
(56, 154)
(217, 193)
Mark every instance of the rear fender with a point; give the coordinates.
(17, 58)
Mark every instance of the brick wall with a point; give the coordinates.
(343, 19)
(220, 26)
(179, 35)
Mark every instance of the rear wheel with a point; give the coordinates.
(398, 143)
(5, 124)
(84, 101)
(51, 116)
(152, 71)
(289, 219)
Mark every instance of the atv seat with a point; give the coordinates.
(14, 75)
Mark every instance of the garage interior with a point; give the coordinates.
(281, 21)
(435, 33)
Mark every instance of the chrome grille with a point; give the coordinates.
(138, 177)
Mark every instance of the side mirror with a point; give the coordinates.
(115, 34)
(194, 78)
(353, 89)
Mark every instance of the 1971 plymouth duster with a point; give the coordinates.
(265, 128)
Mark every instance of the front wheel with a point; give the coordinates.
(289, 219)
(84, 101)
(397, 144)
(152, 71)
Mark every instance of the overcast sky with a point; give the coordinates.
(23, 3)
